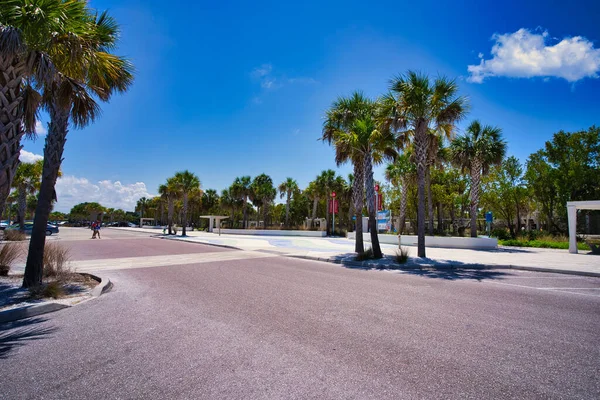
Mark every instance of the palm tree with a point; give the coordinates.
(325, 182)
(71, 96)
(263, 190)
(415, 106)
(141, 205)
(287, 188)
(401, 173)
(242, 188)
(37, 41)
(169, 193)
(351, 125)
(313, 192)
(476, 151)
(26, 182)
(186, 182)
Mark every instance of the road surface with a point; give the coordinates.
(230, 324)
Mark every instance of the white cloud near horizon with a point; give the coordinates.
(525, 54)
(28, 157)
(72, 190)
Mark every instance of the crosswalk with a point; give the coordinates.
(164, 260)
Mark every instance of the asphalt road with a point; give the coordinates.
(283, 328)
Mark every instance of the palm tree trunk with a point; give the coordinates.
(314, 210)
(22, 207)
(403, 204)
(12, 71)
(53, 151)
(440, 211)
(371, 197)
(265, 210)
(421, 155)
(287, 210)
(429, 199)
(162, 213)
(358, 193)
(170, 212)
(185, 211)
(245, 212)
(475, 185)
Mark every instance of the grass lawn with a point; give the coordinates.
(547, 244)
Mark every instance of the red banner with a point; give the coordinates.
(379, 202)
(333, 206)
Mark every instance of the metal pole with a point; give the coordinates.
(333, 230)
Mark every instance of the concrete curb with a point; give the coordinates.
(414, 266)
(188, 240)
(31, 311)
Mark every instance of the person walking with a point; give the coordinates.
(97, 228)
(93, 228)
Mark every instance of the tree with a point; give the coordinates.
(414, 107)
(186, 182)
(325, 183)
(71, 97)
(82, 211)
(37, 39)
(351, 125)
(242, 188)
(26, 182)
(476, 151)
(287, 188)
(505, 192)
(313, 192)
(566, 169)
(401, 173)
(141, 206)
(262, 187)
(169, 192)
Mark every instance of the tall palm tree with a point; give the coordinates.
(313, 192)
(169, 192)
(26, 182)
(415, 106)
(70, 96)
(38, 39)
(401, 173)
(141, 205)
(351, 125)
(476, 151)
(326, 182)
(287, 188)
(242, 188)
(263, 189)
(186, 182)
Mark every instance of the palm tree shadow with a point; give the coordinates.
(18, 333)
(439, 269)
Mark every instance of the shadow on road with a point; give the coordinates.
(18, 333)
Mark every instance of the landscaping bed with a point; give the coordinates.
(546, 244)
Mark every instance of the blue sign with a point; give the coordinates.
(489, 217)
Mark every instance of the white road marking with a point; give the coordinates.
(165, 260)
(563, 290)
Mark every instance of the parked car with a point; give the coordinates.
(4, 225)
(50, 229)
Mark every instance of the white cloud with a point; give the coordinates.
(28, 157)
(270, 80)
(524, 54)
(39, 128)
(72, 190)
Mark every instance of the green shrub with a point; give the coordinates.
(366, 255)
(546, 244)
(56, 261)
(402, 255)
(9, 253)
(501, 234)
(53, 289)
(14, 235)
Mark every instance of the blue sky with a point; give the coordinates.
(226, 89)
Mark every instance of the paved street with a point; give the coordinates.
(189, 320)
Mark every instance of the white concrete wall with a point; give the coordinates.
(262, 232)
(435, 241)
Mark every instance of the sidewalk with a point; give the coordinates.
(341, 250)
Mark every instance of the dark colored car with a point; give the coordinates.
(50, 229)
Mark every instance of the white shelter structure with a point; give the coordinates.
(572, 207)
(212, 219)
